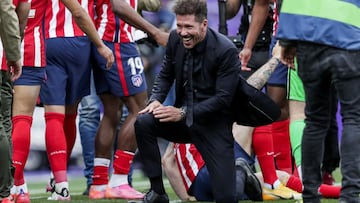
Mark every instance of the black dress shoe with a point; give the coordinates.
(153, 197)
(252, 185)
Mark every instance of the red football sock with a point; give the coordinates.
(330, 191)
(122, 162)
(56, 145)
(21, 145)
(101, 171)
(282, 146)
(70, 132)
(101, 176)
(295, 183)
(263, 148)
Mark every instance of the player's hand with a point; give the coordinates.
(105, 52)
(161, 38)
(287, 56)
(150, 108)
(15, 69)
(245, 55)
(168, 114)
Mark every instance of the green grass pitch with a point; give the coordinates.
(77, 186)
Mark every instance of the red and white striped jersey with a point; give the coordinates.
(189, 161)
(110, 27)
(59, 21)
(33, 44)
(3, 65)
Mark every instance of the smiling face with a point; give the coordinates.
(190, 30)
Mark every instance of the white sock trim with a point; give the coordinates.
(101, 162)
(118, 179)
(22, 187)
(276, 184)
(272, 186)
(131, 153)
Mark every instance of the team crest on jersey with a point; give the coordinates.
(136, 80)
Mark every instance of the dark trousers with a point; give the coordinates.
(331, 158)
(319, 67)
(6, 175)
(214, 141)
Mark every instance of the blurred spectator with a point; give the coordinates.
(89, 119)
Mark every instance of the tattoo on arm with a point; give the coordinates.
(261, 76)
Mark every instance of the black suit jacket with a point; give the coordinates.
(220, 93)
(252, 107)
(214, 82)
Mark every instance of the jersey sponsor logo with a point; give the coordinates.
(136, 80)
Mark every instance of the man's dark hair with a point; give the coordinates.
(192, 7)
